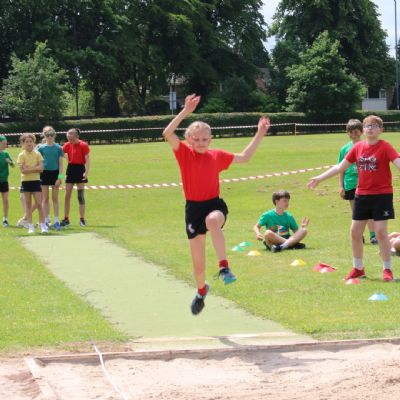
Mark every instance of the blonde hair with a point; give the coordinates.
(373, 119)
(196, 127)
(48, 130)
(25, 136)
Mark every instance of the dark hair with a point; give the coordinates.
(280, 194)
(75, 130)
(354, 124)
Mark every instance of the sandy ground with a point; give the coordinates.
(366, 372)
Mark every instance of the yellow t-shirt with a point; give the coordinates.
(29, 159)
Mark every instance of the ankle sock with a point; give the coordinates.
(223, 264)
(202, 291)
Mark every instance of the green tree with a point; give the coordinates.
(321, 85)
(35, 87)
(354, 23)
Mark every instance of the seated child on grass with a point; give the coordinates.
(278, 222)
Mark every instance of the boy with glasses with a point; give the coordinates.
(374, 193)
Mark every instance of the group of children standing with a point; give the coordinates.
(42, 168)
(367, 185)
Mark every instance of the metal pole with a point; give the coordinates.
(396, 53)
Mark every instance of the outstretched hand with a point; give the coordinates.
(312, 183)
(263, 125)
(305, 222)
(191, 102)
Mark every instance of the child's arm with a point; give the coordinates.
(169, 134)
(246, 154)
(60, 171)
(87, 167)
(341, 184)
(396, 162)
(313, 182)
(257, 230)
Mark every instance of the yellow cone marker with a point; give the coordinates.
(253, 253)
(298, 263)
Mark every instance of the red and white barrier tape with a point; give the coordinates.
(226, 180)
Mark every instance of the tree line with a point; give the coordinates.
(124, 53)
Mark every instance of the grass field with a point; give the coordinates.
(36, 309)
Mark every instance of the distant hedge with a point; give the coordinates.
(135, 129)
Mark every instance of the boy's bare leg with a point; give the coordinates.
(383, 240)
(198, 251)
(356, 231)
(67, 202)
(81, 186)
(4, 196)
(300, 234)
(214, 222)
(271, 238)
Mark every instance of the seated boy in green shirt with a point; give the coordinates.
(278, 223)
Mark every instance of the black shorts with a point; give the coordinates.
(48, 178)
(31, 187)
(378, 207)
(75, 173)
(4, 188)
(349, 194)
(196, 213)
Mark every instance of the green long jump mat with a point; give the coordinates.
(140, 298)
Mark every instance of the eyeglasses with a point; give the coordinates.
(371, 126)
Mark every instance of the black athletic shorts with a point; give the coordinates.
(196, 213)
(349, 194)
(75, 173)
(48, 178)
(378, 207)
(4, 188)
(31, 187)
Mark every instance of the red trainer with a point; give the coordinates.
(387, 275)
(355, 273)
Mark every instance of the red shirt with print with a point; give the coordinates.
(76, 152)
(200, 172)
(373, 165)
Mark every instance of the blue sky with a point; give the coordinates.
(385, 8)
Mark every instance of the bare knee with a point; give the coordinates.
(214, 222)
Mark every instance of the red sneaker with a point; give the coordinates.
(387, 275)
(355, 273)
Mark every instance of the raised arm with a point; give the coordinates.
(336, 169)
(169, 134)
(246, 154)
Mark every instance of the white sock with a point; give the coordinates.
(56, 219)
(358, 263)
(284, 245)
(387, 264)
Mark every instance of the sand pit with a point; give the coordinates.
(364, 371)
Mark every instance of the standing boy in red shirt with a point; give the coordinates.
(374, 193)
(205, 210)
(77, 153)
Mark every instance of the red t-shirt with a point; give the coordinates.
(373, 164)
(200, 172)
(76, 152)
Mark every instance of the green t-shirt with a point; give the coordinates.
(4, 170)
(278, 223)
(350, 178)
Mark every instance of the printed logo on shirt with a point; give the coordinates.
(367, 163)
(386, 213)
(280, 230)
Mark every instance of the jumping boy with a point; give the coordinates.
(278, 223)
(374, 193)
(349, 178)
(5, 162)
(205, 210)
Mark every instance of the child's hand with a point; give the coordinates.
(191, 102)
(9, 161)
(305, 222)
(313, 183)
(259, 236)
(263, 125)
(341, 193)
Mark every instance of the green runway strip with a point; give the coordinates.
(141, 298)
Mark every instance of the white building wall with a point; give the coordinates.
(374, 104)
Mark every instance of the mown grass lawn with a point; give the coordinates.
(36, 309)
